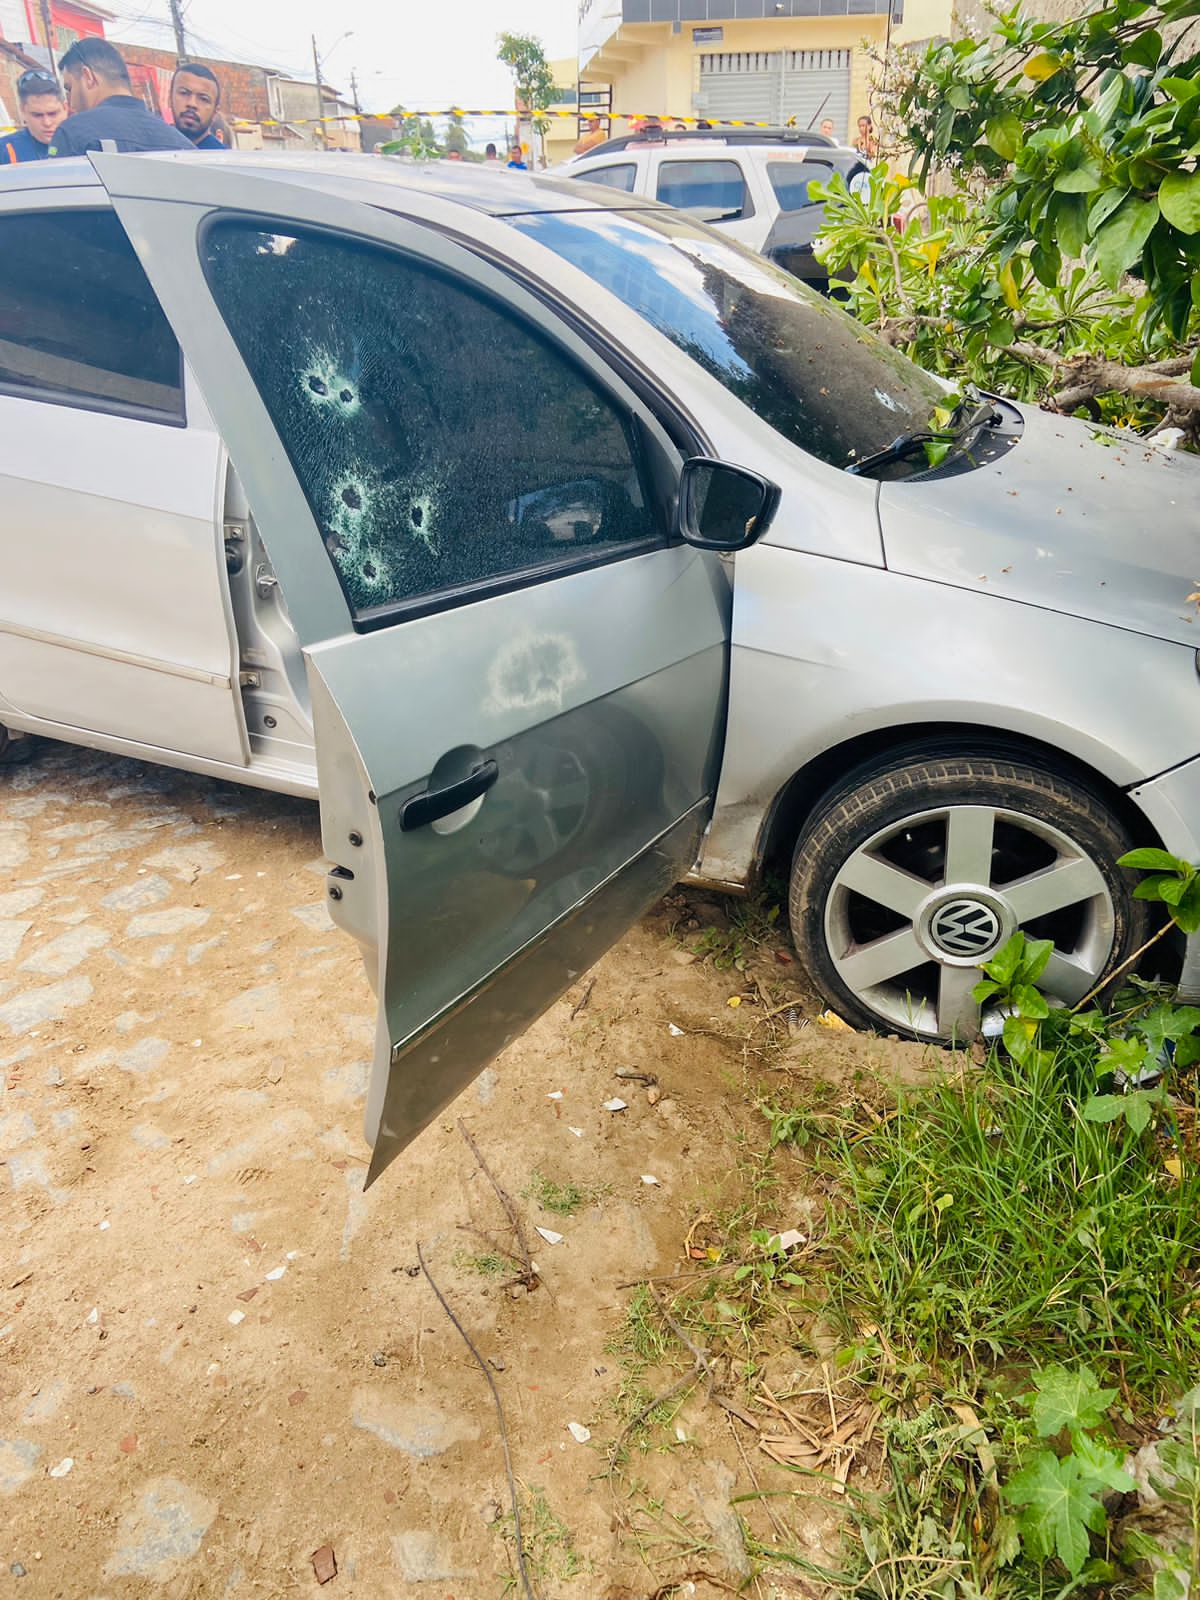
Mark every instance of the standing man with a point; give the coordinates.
(195, 96)
(103, 106)
(42, 110)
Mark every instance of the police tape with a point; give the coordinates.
(662, 117)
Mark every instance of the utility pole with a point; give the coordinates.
(177, 24)
(319, 136)
(49, 35)
(354, 91)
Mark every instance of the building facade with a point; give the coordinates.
(758, 60)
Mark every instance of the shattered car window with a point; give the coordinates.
(440, 441)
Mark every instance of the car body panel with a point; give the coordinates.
(825, 652)
(1078, 519)
(766, 219)
(599, 694)
(92, 639)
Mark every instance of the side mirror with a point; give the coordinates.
(723, 507)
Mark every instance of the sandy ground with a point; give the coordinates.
(217, 1354)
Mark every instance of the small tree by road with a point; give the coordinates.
(533, 82)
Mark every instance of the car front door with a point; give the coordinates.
(517, 674)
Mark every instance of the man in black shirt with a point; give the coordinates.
(104, 107)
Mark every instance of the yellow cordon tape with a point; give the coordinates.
(457, 111)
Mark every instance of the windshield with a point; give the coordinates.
(819, 378)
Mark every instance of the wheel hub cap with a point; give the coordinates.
(968, 925)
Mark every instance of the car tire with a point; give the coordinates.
(911, 873)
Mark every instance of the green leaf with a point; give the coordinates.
(1103, 207)
(1180, 89)
(1003, 965)
(1037, 955)
(1029, 1001)
(1186, 915)
(1003, 133)
(1195, 372)
(1104, 1108)
(1171, 890)
(1149, 859)
(1083, 179)
(1070, 218)
(1068, 1398)
(1118, 244)
(1019, 1037)
(985, 989)
(1145, 48)
(1151, 888)
(1139, 1108)
(959, 96)
(1058, 1510)
(1179, 199)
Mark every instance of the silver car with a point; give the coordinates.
(566, 547)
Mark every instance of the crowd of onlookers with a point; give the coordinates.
(92, 105)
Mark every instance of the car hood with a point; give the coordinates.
(1073, 518)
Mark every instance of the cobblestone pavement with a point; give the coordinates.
(216, 1352)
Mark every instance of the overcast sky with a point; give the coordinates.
(424, 53)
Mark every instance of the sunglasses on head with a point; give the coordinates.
(30, 80)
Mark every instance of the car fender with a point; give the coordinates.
(832, 656)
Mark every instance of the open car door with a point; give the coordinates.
(518, 677)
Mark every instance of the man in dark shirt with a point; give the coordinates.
(103, 106)
(195, 96)
(42, 110)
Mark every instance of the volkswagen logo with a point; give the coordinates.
(964, 928)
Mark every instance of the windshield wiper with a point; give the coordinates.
(980, 416)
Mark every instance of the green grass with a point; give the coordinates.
(561, 1199)
(550, 1552)
(489, 1265)
(986, 1223)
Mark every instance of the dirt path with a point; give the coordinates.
(202, 1312)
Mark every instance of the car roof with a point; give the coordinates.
(495, 191)
(726, 136)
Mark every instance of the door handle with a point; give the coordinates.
(434, 803)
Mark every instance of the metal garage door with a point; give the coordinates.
(773, 85)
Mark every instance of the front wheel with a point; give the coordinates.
(912, 874)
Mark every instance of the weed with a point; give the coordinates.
(550, 1552)
(988, 1221)
(751, 923)
(489, 1265)
(561, 1199)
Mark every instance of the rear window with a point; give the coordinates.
(79, 322)
(618, 177)
(790, 181)
(713, 191)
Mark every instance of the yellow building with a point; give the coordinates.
(562, 132)
(763, 60)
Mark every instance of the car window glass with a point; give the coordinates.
(440, 441)
(622, 176)
(822, 380)
(790, 181)
(712, 190)
(79, 323)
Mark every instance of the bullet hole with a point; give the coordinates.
(369, 571)
(317, 385)
(418, 516)
(351, 498)
(346, 396)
